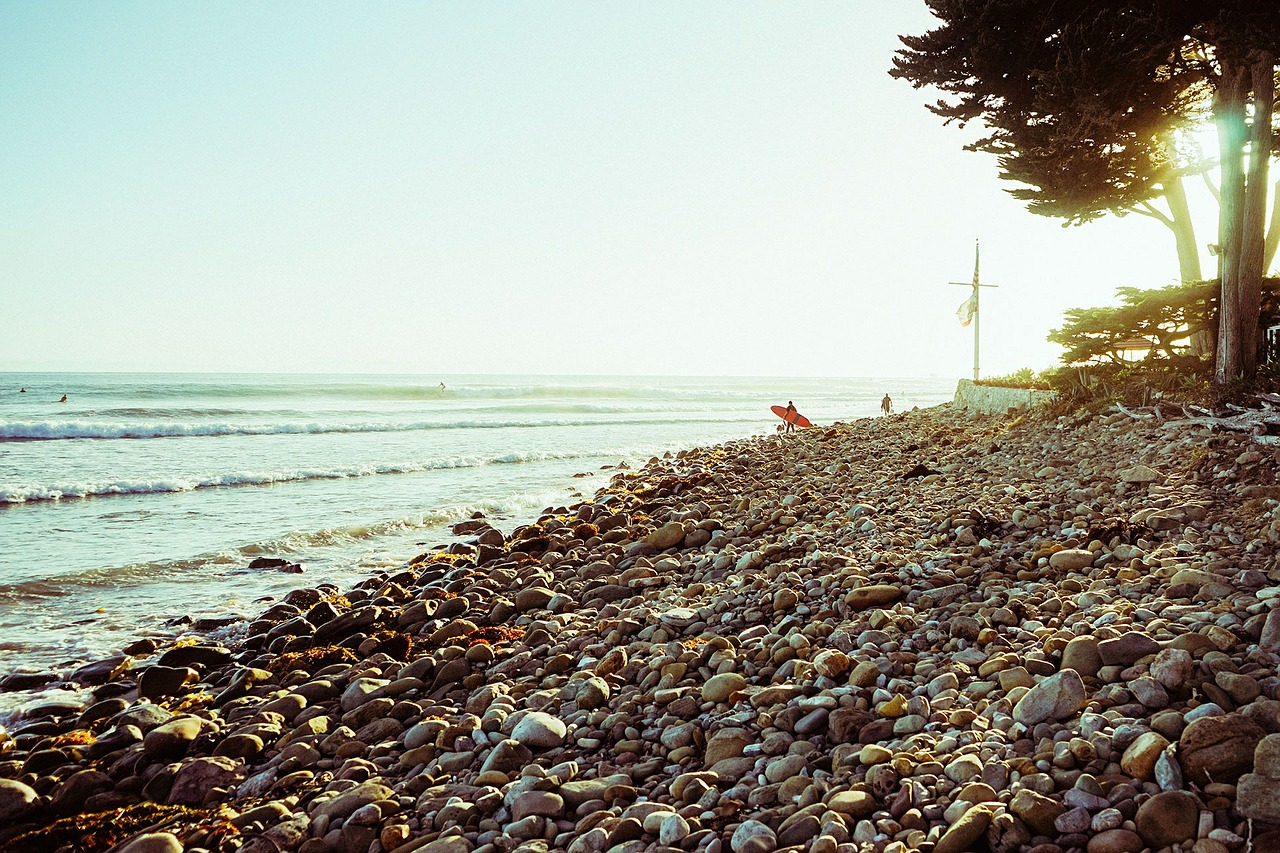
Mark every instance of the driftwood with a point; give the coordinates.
(1262, 423)
(1142, 413)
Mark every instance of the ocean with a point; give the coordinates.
(134, 508)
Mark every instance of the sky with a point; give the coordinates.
(711, 188)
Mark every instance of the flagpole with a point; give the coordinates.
(976, 314)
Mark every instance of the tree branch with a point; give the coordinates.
(1147, 209)
(1213, 188)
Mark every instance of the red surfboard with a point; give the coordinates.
(792, 417)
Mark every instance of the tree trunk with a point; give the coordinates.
(1229, 114)
(1184, 232)
(1273, 232)
(1253, 238)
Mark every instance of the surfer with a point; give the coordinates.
(441, 387)
(791, 412)
(886, 405)
(22, 390)
(64, 399)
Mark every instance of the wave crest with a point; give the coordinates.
(60, 491)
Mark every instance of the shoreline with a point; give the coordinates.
(197, 542)
(892, 634)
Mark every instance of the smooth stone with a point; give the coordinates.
(351, 799)
(1170, 817)
(873, 596)
(963, 768)
(542, 803)
(1138, 474)
(580, 791)
(152, 842)
(802, 831)
(540, 730)
(1116, 841)
(962, 834)
(1127, 649)
(752, 836)
(171, 739)
(667, 536)
(592, 692)
(1270, 639)
(1218, 749)
(672, 830)
(1172, 667)
(726, 743)
(1139, 760)
(1071, 559)
(197, 776)
(1057, 697)
(1266, 757)
(1149, 692)
(855, 804)
(17, 799)
(1038, 811)
(1256, 797)
(718, 688)
(1081, 654)
(1075, 820)
(159, 681)
(533, 598)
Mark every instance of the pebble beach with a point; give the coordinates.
(934, 631)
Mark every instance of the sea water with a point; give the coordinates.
(135, 507)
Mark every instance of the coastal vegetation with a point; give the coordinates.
(1156, 344)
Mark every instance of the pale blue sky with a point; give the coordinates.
(586, 187)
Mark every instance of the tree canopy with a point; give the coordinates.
(1066, 93)
(1165, 317)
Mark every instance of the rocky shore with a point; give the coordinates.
(932, 631)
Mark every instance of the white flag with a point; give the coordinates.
(967, 309)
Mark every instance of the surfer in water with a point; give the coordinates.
(886, 405)
(791, 412)
(64, 399)
(441, 387)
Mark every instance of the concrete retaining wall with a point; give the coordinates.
(991, 400)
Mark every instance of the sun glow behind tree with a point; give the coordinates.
(1086, 103)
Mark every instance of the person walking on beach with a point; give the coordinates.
(886, 405)
(791, 413)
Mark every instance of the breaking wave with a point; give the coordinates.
(61, 430)
(61, 491)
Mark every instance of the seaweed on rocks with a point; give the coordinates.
(1117, 530)
(311, 659)
(393, 645)
(100, 831)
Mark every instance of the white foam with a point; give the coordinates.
(34, 492)
(63, 430)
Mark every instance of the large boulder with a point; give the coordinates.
(17, 800)
(1218, 749)
(1056, 698)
